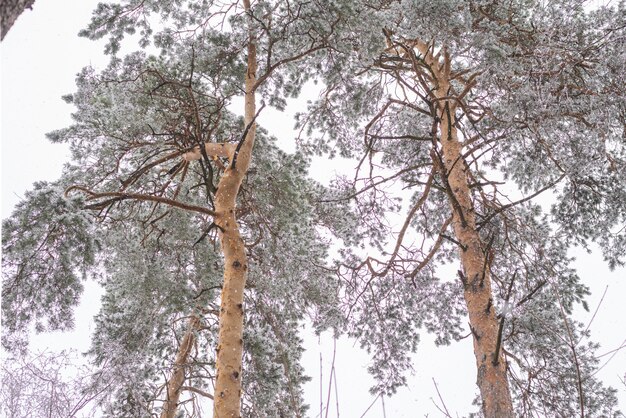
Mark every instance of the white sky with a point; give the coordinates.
(40, 57)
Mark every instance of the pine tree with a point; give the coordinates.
(162, 171)
(479, 109)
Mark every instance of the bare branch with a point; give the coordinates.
(408, 220)
(525, 199)
(445, 408)
(118, 196)
(196, 390)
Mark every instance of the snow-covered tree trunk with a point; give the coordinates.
(227, 397)
(227, 402)
(492, 376)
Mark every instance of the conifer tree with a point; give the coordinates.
(161, 172)
(476, 109)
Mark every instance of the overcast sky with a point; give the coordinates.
(40, 57)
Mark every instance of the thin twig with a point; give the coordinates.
(594, 313)
(370, 407)
(614, 353)
(330, 379)
(445, 408)
(579, 382)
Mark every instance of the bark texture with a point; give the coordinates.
(491, 375)
(10, 10)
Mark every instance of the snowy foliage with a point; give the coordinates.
(37, 385)
(541, 111)
(47, 248)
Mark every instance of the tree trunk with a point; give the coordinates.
(227, 402)
(491, 379)
(177, 379)
(10, 10)
(227, 396)
(491, 375)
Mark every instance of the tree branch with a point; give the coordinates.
(408, 220)
(243, 137)
(196, 390)
(118, 196)
(525, 199)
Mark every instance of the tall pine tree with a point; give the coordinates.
(463, 114)
(162, 171)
